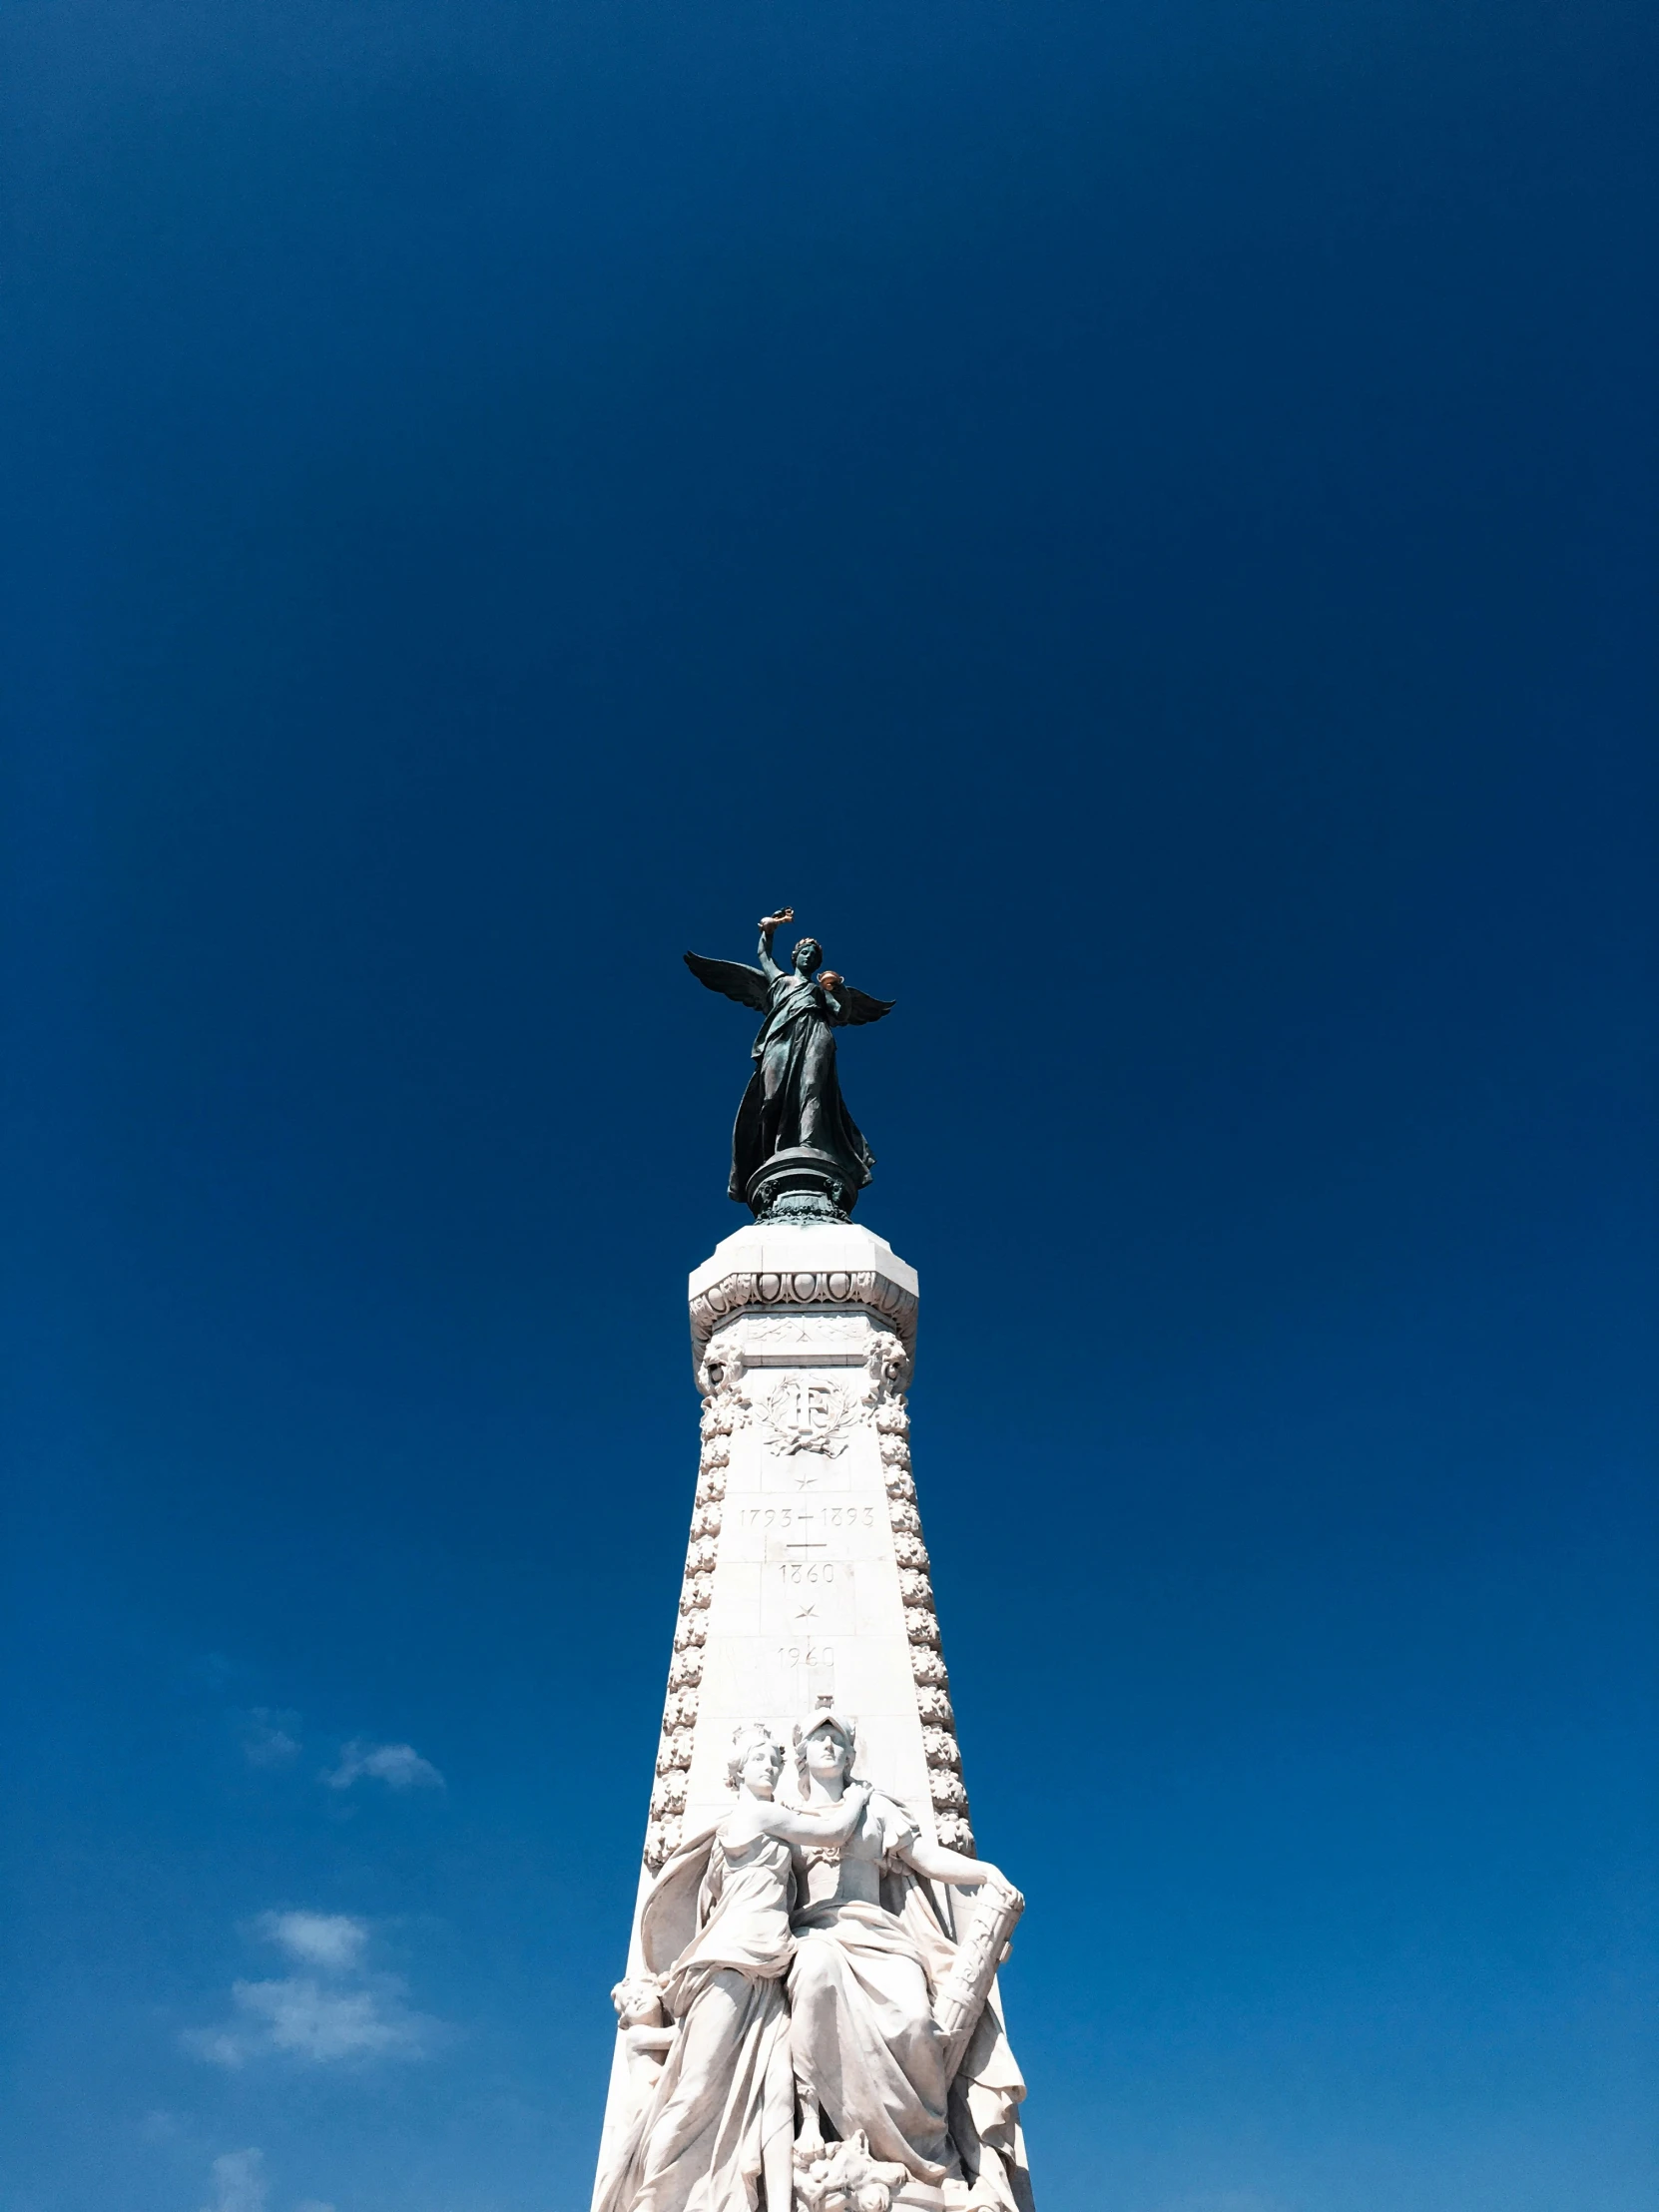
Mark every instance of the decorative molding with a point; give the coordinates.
(942, 1747)
(720, 1374)
(922, 1626)
(675, 1750)
(828, 1289)
(669, 1794)
(890, 1360)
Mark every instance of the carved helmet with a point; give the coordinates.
(827, 1713)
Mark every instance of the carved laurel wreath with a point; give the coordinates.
(802, 1416)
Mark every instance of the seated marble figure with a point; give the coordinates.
(799, 1949)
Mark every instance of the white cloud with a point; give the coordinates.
(239, 2182)
(333, 1940)
(337, 2011)
(270, 1738)
(304, 2018)
(308, 2019)
(399, 1766)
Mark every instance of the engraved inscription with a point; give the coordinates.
(784, 1518)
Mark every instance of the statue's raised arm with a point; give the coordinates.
(770, 923)
(796, 1153)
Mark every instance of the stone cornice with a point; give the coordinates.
(829, 1290)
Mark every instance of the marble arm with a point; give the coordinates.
(650, 2041)
(832, 1827)
(941, 1865)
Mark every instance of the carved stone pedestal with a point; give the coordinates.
(803, 1185)
(807, 1578)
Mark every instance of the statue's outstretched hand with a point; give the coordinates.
(777, 921)
(830, 980)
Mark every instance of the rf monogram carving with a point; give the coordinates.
(806, 1415)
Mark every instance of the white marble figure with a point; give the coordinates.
(646, 2036)
(716, 2134)
(871, 1950)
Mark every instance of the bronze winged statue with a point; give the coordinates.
(796, 1153)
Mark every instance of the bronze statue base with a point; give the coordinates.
(803, 1185)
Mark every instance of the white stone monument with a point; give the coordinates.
(808, 1592)
(809, 2019)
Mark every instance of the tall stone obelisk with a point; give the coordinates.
(807, 1591)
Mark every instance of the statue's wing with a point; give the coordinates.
(858, 1006)
(746, 984)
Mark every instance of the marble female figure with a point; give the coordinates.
(871, 1949)
(716, 2134)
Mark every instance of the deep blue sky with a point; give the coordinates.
(1133, 517)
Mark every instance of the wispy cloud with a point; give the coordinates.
(334, 1942)
(268, 1737)
(399, 1766)
(335, 2012)
(309, 2020)
(239, 2182)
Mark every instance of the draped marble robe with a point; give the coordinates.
(717, 1929)
(863, 2036)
